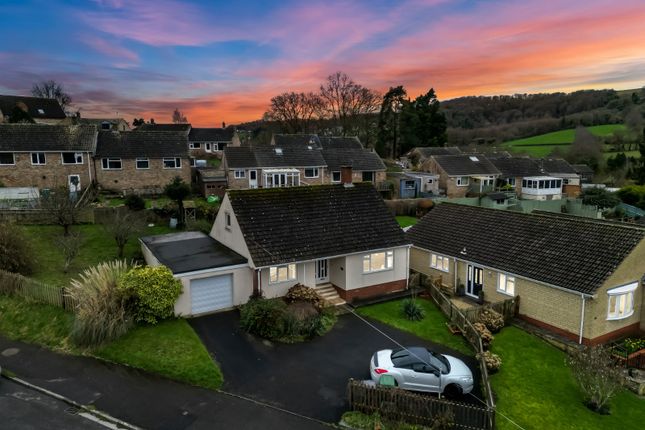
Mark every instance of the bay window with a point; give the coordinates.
(621, 301)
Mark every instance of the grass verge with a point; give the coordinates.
(432, 327)
(536, 389)
(406, 221)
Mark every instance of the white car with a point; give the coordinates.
(419, 369)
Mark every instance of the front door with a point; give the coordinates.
(207, 147)
(322, 271)
(74, 182)
(475, 280)
(253, 179)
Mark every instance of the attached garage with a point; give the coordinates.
(211, 294)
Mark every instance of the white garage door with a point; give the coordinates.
(211, 294)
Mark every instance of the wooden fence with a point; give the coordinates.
(399, 405)
(14, 284)
(507, 308)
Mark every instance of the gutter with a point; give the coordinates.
(582, 318)
(202, 271)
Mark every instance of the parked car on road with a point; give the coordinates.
(420, 369)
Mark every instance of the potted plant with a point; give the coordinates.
(480, 297)
(461, 289)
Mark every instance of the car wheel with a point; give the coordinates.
(452, 391)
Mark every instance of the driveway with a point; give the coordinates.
(307, 378)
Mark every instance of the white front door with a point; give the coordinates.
(253, 178)
(322, 271)
(74, 183)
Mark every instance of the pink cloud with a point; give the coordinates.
(111, 49)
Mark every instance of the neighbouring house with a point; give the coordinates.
(462, 174)
(203, 141)
(106, 124)
(419, 155)
(578, 277)
(524, 176)
(177, 127)
(340, 239)
(42, 111)
(366, 165)
(585, 172)
(47, 156)
(559, 168)
(139, 161)
(211, 181)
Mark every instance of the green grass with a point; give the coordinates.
(360, 421)
(406, 221)
(97, 246)
(535, 388)
(543, 144)
(214, 162)
(170, 348)
(433, 327)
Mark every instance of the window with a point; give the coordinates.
(111, 163)
(335, 176)
(440, 262)
(215, 146)
(368, 176)
(511, 181)
(430, 181)
(143, 163)
(410, 185)
(105, 125)
(506, 284)
(172, 163)
(282, 273)
(488, 182)
(227, 220)
(621, 301)
(378, 261)
(195, 145)
(311, 172)
(37, 158)
(6, 159)
(278, 151)
(72, 157)
(41, 111)
(463, 181)
(239, 174)
(192, 162)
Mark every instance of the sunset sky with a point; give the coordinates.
(223, 61)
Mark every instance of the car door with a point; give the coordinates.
(409, 377)
(427, 378)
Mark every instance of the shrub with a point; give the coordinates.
(413, 310)
(135, 202)
(633, 345)
(302, 293)
(493, 361)
(152, 292)
(16, 253)
(485, 334)
(202, 225)
(493, 320)
(264, 317)
(597, 375)
(101, 313)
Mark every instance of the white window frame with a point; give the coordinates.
(136, 163)
(440, 262)
(227, 220)
(315, 170)
(388, 258)
(38, 154)
(195, 145)
(283, 273)
(239, 174)
(77, 156)
(623, 301)
(176, 161)
(215, 147)
(105, 163)
(462, 181)
(334, 173)
(504, 280)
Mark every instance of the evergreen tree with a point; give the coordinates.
(388, 121)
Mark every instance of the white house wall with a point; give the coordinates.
(357, 279)
(231, 237)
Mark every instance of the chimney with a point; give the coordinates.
(346, 175)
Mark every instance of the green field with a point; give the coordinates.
(543, 144)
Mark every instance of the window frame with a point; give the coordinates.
(137, 160)
(505, 279)
(37, 154)
(195, 145)
(371, 173)
(290, 270)
(459, 181)
(333, 173)
(627, 295)
(13, 159)
(105, 163)
(76, 156)
(176, 161)
(314, 170)
(227, 220)
(239, 173)
(388, 259)
(434, 262)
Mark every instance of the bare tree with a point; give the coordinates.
(52, 90)
(344, 100)
(586, 148)
(597, 376)
(295, 111)
(64, 207)
(69, 245)
(178, 117)
(122, 226)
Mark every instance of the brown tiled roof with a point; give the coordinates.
(574, 253)
(283, 225)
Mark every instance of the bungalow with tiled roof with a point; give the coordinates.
(463, 173)
(578, 277)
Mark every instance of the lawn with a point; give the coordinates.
(214, 162)
(406, 221)
(535, 389)
(170, 349)
(97, 246)
(433, 327)
(543, 144)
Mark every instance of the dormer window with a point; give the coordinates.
(473, 158)
(278, 151)
(41, 111)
